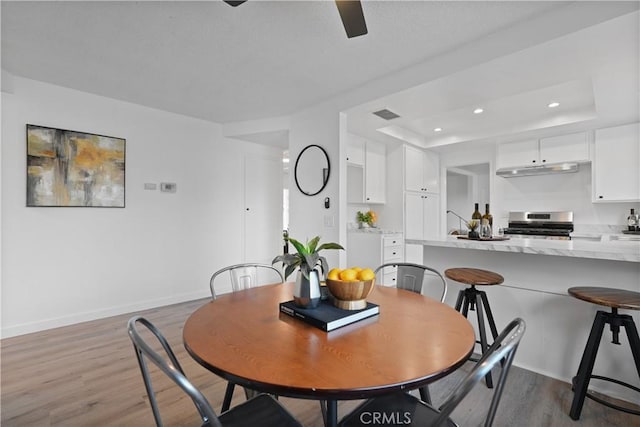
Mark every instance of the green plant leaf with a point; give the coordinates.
(290, 269)
(287, 259)
(324, 265)
(299, 246)
(312, 244)
(329, 246)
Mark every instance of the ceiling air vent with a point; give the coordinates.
(386, 114)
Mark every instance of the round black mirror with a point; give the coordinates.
(312, 170)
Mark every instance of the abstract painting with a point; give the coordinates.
(69, 168)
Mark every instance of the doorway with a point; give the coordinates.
(466, 185)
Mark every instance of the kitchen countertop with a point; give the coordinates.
(605, 250)
(373, 230)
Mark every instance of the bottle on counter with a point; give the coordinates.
(476, 214)
(632, 221)
(487, 215)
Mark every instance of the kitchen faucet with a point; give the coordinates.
(465, 221)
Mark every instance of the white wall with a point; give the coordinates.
(307, 214)
(65, 265)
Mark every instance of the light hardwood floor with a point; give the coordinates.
(87, 375)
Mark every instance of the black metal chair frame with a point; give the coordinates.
(502, 350)
(585, 370)
(472, 299)
(228, 394)
(232, 268)
(405, 268)
(172, 368)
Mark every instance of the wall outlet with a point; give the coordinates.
(168, 187)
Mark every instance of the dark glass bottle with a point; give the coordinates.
(476, 214)
(632, 221)
(488, 215)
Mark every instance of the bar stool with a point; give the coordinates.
(472, 299)
(615, 299)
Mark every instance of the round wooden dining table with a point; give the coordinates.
(243, 337)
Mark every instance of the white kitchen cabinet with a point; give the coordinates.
(521, 153)
(370, 250)
(355, 150)
(366, 171)
(573, 147)
(616, 163)
(375, 172)
(422, 170)
(557, 149)
(421, 215)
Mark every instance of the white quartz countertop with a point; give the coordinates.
(373, 230)
(606, 250)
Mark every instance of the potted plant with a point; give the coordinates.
(366, 219)
(472, 226)
(307, 288)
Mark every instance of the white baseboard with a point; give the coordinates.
(27, 328)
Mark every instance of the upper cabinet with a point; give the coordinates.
(558, 149)
(422, 170)
(355, 150)
(366, 171)
(374, 172)
(519, 153)
(573, 147)
(616, 160)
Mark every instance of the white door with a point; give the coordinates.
(262, 208)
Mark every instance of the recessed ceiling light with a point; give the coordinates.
(437, 130)
(478, 111)
(553, 104)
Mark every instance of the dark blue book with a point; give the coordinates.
(326, 316)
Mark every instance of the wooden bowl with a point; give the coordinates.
(350, 295)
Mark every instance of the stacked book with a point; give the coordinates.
(326, 316)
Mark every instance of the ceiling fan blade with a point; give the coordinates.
(234, 3)
(352, 17)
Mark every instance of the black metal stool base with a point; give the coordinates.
(581, 380)
(471, 298)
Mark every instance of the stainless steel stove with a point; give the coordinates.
(540, 225)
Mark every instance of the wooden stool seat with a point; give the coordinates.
(614, 298)
(474, 276)
(473, 299)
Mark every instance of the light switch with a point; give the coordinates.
(168, 187)
(328, 220)
(150, 186)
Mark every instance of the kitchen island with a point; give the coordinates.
(537, 275)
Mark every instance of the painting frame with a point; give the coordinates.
(68, 168)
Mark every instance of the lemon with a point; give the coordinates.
(334, 274)
(366, 274)
(349, 275)
(357, 269)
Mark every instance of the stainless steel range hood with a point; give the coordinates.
(537, 170)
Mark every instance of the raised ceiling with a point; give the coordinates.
(268, 59)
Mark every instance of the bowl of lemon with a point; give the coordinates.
(350, 287)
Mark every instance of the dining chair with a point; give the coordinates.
(414, 411)
(244, 276)
(412, 277)
(261, 410)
